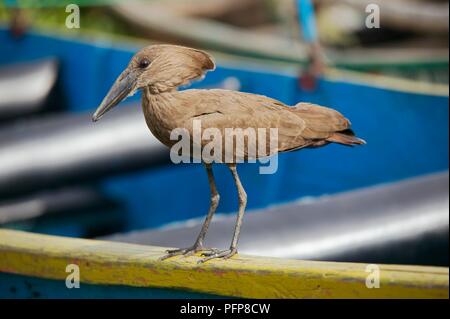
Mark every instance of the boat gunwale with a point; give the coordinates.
(112, 263)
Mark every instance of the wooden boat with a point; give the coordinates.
(415, 122)
(35, 265)
(178, 23)
(17, 102)
(268, 30)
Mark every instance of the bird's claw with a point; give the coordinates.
(186, 252)
(224, 254)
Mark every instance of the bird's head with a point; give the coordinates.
(161, 68)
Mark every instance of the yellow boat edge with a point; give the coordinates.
(113, 263)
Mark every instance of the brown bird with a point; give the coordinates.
(158, 70)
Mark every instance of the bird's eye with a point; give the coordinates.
(144, 63)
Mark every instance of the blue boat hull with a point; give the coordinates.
(26, 287)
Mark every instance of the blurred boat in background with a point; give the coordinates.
(267, 30)
(38, 76)
(127, 166)
(81, 210)
(411, 43)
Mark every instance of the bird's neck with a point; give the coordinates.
(159, 112)
(157, 102)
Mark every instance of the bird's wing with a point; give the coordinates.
(299, 126)
(320, 121)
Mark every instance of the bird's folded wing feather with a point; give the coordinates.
(297, 126)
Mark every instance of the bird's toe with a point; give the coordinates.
(224, 254)
(174, 251)
(186, 252)
(177, 252)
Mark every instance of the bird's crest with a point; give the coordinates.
(172, 66)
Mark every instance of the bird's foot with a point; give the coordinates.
(186, 251)
(224, 254)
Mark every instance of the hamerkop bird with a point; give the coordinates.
(158, 70)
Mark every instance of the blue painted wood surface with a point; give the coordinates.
(25, 287)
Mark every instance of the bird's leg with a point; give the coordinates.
(237, 229)
(198, 245)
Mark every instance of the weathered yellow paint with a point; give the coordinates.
(103, 262)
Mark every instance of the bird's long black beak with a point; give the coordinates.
(123, 86)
